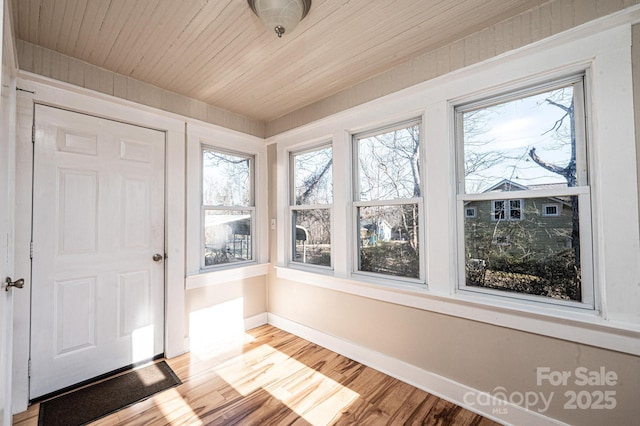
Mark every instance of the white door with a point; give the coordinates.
(98, 221)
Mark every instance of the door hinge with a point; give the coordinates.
(33, 134)
(29, 369)
(31, 250)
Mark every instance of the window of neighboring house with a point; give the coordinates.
(506, 210)
(228, 210)
(388, 201)
(470, 212)
(311, 203)
(530, 144)
(549, 210)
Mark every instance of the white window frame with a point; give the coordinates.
(293, 207)
(582, 190)
(473, 209)
(205, 208)
(544, 210)
(357, 204)
(495, 210)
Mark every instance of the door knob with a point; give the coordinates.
(10, 283)
(157, 257)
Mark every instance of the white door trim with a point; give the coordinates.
(82, 100)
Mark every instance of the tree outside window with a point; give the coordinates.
(523, 153)
(388, 201)
(228, 209)
(311, 202)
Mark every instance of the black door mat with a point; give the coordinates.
(101, 399)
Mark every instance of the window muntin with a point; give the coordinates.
(506, 210)
(311, 203)
(388, 201)
(228, 211)
(532, 143)
(551, 210)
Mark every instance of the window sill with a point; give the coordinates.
(206, 279)
(575, 325)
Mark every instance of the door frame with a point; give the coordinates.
(8, 112)
(41, 90)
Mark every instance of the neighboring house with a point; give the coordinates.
(527, 228)
(375, 230)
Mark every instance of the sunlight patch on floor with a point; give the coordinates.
(263, 368)
(175, 409)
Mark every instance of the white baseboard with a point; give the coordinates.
(442, 387)
(256, 321)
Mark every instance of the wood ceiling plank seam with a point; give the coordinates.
(114, 25)
(115, 60)
(109, 30)
(62, 28)
(233, 52)
(34, 21)
(157, 50)
(15, 17)
(176, 47)
(44, 25)
(74, 29)
(148, 37)
(21, 11)
(190, 42)
(94, 13)
(59, 13)
(202, 62)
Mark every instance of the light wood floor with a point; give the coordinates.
(276, 378)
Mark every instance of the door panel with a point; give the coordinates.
(98, 219)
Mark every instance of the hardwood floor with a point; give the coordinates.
(276, 378)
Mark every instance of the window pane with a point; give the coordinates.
(312, 177)
(227, 236)
(388, 241)
(537, 254)
(389, 165)
(312, 242)
(226, 179)
(527, 143)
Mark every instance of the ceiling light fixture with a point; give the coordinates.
(280, 15)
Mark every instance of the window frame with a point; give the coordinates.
(544, 210)
(582, 190)
(474, 215)
(294, 207)
(205, 208)
(357, 203)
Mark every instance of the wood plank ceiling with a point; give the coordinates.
(217, 51)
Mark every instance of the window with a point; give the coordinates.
(388, 201)
(506, 210)
(470, 212)
(228, 211)
(311, 202)
(529, 145)
(549, 210)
